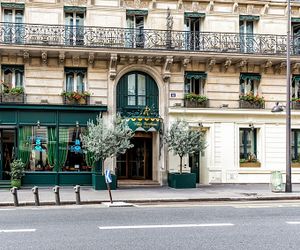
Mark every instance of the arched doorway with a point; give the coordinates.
(137, 98)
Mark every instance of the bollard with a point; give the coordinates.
(77, 194)
(56, 193)
(35, 191)
(15, 195)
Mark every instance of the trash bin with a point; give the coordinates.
(276, 181)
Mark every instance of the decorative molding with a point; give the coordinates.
(140, 60)
(131, 60)
(278, 68)
(266, 65)
(241, 64)
(227, 63)
(250, 67)
(76, 60)
(296, 67)
(210, 6)
(44, 57)
(153, 4)
(179, 5)
(158, 60)
(235, 7)
(75, 2)
(210, 64)
(26, 55)
(265, 9)
(167, 68)
(185, 62)
(91, 58)
(149, 61)
(61, 57)
(113, 66)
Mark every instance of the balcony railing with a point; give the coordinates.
(101, 37)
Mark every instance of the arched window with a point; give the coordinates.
(135, 91)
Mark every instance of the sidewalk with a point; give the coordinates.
(215, 192)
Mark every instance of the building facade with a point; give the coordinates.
(219, 65)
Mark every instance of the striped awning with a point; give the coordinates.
(249, 76)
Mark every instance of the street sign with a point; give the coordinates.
(108, 178)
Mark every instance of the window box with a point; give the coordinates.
(295, 164)
(195, 104)
(295, 104)
(83, 100)
(12, 98)
(256, 164)
(251, 105)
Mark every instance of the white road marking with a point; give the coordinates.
(166, 226)
(7, 209)
(17, 230)
(293, 222)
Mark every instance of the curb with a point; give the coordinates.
(161, 200)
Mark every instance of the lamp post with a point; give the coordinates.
(288, 182)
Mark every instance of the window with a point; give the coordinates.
(136, 90)
(246, 33)
(295, 145)
(13, 22)
(296, 35)
(75, 80)
(74, 28)
(296, 87)
(249, 83)
(72, 157)
(135, 21)
(248, 144)
(194, 82)
(12, 76)
(192, 29)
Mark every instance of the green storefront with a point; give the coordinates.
(47, 139)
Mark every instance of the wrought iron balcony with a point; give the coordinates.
(102, 37)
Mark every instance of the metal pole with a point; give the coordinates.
(288, 183)
(35, 191)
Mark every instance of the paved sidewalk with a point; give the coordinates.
(216, 192)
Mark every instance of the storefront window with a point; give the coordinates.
(43, 148)
(71, 155)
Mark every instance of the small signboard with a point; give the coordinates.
(173, 94)
(108, 178)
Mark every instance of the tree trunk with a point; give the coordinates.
(102, 167)
(180, 169)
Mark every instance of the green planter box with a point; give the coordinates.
(98, 181)
(184, 180)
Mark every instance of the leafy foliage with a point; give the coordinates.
(250, 97)
(17, 169)
(195, 97)
(104, 141)
(182, 140)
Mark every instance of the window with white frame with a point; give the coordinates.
(249, 83)
(74, 21)
(194, 82)
(75, 80)
(295, 145)
(13, 19)
(12, 76)
(135, 23)
(296, 87)
(248, 144)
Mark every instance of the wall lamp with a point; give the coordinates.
(277, 108)
(38, 124)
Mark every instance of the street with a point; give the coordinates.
(251, 225)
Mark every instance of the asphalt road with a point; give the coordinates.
(186, 226)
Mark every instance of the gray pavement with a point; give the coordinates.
(216, 192)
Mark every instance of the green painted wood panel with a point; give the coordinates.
(8, 117)
(70, 118)
(31, 117)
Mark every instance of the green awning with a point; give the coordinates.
(136, 12)
(144, 124)
(249, 18)
(245, 76)
(295, 20)
(75, 70)
(194, 14)
(195, 75)
(74, 9)
(296, 78)
(13, 5)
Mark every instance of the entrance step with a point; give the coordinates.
(5, 184)
(137, 183)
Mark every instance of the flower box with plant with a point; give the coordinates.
(192, 100)
(76, 97)
(251, 101)
(295, 103)
(250, 162)
(17, 168)
(15, 95)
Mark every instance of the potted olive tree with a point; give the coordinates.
(183, 141)
(103, 141)
(16, 172)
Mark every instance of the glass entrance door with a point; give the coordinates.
(136, 163)
(7, 151)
